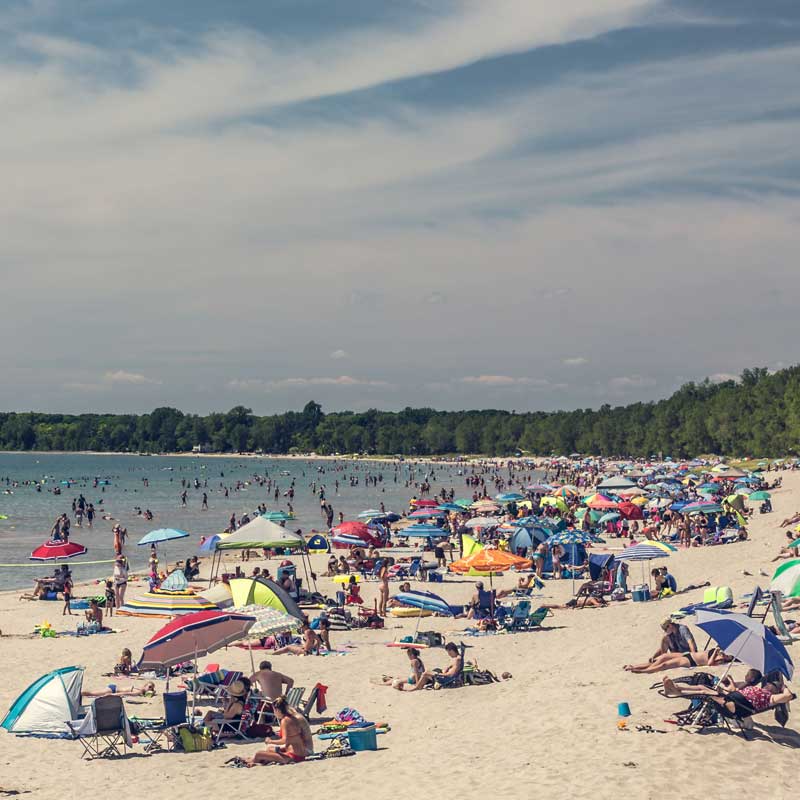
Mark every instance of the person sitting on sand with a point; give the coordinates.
(125, 664)
(787, 551)
(308, 647)
(94, 613)
(269, 682)
(686, 660)
(676, 639)
(738, 700)
(450, 675)
(417, 671)
(294, 742)
(332, 567)
(524, 584)
(233, 707)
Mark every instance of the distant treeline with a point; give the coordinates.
(757, 415)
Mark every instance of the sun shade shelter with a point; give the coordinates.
(259, 534)
(47, 704)
(265, 593)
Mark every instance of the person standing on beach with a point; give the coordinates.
(90, 515)
(204, 504)
(67, 590)
(183, 498)
(120, 578)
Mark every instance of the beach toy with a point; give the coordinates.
(623, 709)
(363, 738)
(112, 687)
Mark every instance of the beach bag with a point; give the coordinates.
(195, 741)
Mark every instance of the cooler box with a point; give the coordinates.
(641, 594)
(364, 737)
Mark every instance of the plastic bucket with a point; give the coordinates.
(363, 738)
(623, 710)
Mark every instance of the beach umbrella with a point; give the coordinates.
(426, 531)
(426, 513)
(55, 551)
(482, 522)
(463, 502)
(424, 601)
(759, 496)
(645, 551)
(701, 508)
(747, 640)
(509, 497)
(161, 535)
(194, 636)
(609, 517)
(556, 502)
(269, 622)
(485, 506)
(565, 491)
(573, 538)
(786, 579)
(450, 507)
(539, 488)
(615, 484)
(630, 510)
(601, 502)
(491, 561)
(371, 512)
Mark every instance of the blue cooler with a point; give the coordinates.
(641, 594)
(364, 737)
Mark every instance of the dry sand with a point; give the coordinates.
(551, 728)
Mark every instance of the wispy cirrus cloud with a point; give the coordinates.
(129, 378)
(238, 384)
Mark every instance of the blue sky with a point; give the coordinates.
(454, 203)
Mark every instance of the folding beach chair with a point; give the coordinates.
(294, 697)
(537, 617)
(518, 619)
(157, 732)
(219, 692)
(108, 730)
(784, 635)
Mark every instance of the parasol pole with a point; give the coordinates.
(250, 649)
(194, 682)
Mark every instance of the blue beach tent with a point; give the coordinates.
(47, 704)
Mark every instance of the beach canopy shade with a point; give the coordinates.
(47, 704)
(556, 502)
(260, 533)
(487, 560)
(162, 535)
(209, 544)
(265, 593)
(55, 551)
(747, 640)
(641, 552)
(194, 636)
(426, 601)
(165, 603)
(318, 544)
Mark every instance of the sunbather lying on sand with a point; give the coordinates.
(791, 520)
(705, 658)
(148, 690)
(737, 699)
(309, 646)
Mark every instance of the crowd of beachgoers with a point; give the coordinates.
(485, 559)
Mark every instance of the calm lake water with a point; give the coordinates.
(119, 484)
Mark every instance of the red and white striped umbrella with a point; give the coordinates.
(55, 551)
(193, 636)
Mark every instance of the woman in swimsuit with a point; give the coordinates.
(294, 742)
(706, 658)
(417, 671)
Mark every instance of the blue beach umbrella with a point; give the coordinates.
(509, 497)
(162, 535)
(573, 538)
(747, 640)
(423, 530)
(425, 601)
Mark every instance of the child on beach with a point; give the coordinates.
(110, 598)
(67, 596)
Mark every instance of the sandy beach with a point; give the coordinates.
(551, 727)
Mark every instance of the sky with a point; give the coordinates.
(449, 203)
